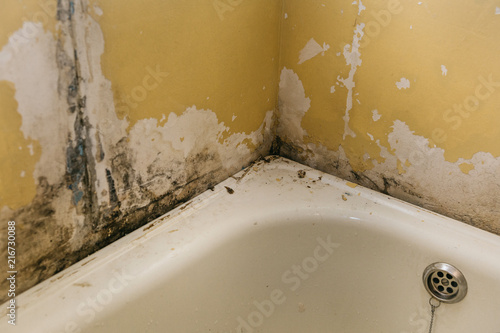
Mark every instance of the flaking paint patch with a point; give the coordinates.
(16, 190)
(27, 65)
(312, 49)
(444, 70)
(413, 171)
(425, 170)
(404, 83)
(112, 188)
(361, 7)
(154, 145)
(293, 105)
(353, 59)
(375, 115)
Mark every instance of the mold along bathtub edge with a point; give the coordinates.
(290, 210)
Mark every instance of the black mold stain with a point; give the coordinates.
(229, 190)
(113, 197)
(35, 227)
(276, 146)
(391, 183)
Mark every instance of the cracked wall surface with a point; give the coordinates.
(112, 115)
(402, 97)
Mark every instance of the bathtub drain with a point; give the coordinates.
(445, 282)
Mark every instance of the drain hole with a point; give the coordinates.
(445, 282)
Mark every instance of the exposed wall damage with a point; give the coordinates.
(401, 131)
(98, 176)
(107, 137)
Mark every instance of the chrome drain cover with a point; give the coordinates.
(445, 282)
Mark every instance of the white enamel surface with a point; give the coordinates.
(207, 264)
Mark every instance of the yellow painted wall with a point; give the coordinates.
(217, 55)
(401, 39)
(447, 51)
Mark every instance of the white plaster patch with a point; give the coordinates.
(311, 50)
(404, 83)
(29, 63)
(194, 132)
(98, 10)
(30, 147)
(428, 171)
(157, 144)
(497, 11)
(100, 102)
(444, 70)
(286, 16)
(375, 115)
(428, 179)
(361, 7)
(233, 117)
(23, 173)
(332, 89)
(370, 136)
(293, 106)
(352, 58)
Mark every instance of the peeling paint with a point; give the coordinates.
(98, 173)
(444, 70)
(311, 50)
(92, 170)
(353, 58)
(293, 106)
(361, 7)
(404, 83)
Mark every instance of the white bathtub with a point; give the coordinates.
(279, 253)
